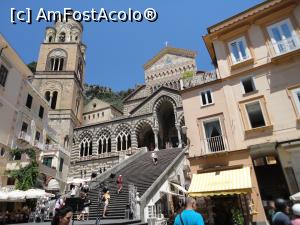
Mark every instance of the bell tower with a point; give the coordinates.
(59, 77)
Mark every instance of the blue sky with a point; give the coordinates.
(116, 52)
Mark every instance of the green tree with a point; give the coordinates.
(26, 177)
(32, 66)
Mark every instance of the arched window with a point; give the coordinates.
(50, 39)
(47, 96)
(124, 139)
(86, 147)
(104, 142)
(62, 37)
(57, 60)
(54, 100)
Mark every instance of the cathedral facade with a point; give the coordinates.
(97, 135)
(152, 117)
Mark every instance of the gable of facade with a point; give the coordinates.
(148, 105)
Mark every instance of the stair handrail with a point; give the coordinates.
(115, 169)
(153, 189)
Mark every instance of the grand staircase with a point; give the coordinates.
(141, 172)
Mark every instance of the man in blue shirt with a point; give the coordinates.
(189, 216)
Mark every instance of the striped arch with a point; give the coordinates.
(181, 120)
(139, 125)
(163, 99)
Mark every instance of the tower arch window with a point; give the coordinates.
(50, 39)
(57, 60)
(54, 100)
(80, 70)
(86, 147)
(62, 37)
(47, 96)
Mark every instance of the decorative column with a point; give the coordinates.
(155, 131)
(113, 143)
(179, 136)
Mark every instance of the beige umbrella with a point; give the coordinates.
(3, 196)
(16, 195)
(34, 193)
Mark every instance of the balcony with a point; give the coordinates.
(39, 145)
(285, 47)
(198, 79)
(55, 148)
(49, 171)
(24, 137)
(214, 144)
(16, 165)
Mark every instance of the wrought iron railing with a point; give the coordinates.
(215, 144)
(286, 45)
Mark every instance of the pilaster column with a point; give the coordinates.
(155, 131)
(134, 144)
(179, 136)
(113, 143)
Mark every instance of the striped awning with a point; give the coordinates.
(224, 182)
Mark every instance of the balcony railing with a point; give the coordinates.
(286, 45)
(57, 147)
(215, 144)
(198, 79)
(39, 145)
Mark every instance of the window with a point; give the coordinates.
(248, 84)
(61, 164)
(2, 152)
(296, 97)
(47, 161)
(47, 96)
(54, 100)
(283, 37)
(206, 98)
(56, 64)
(255, 115)
(62, 37)
(86, 147)
(29, 101)
(213, 134)
(37, 136)
(84, 117)
(102, 114)
(41, 112)
(3, 75)
(24, 127)
(238, 50)
(56, 60)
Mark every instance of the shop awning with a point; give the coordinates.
(224, 182)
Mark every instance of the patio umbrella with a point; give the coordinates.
(3, 196)
(295, 197)
(34, 193)
(16, 195)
